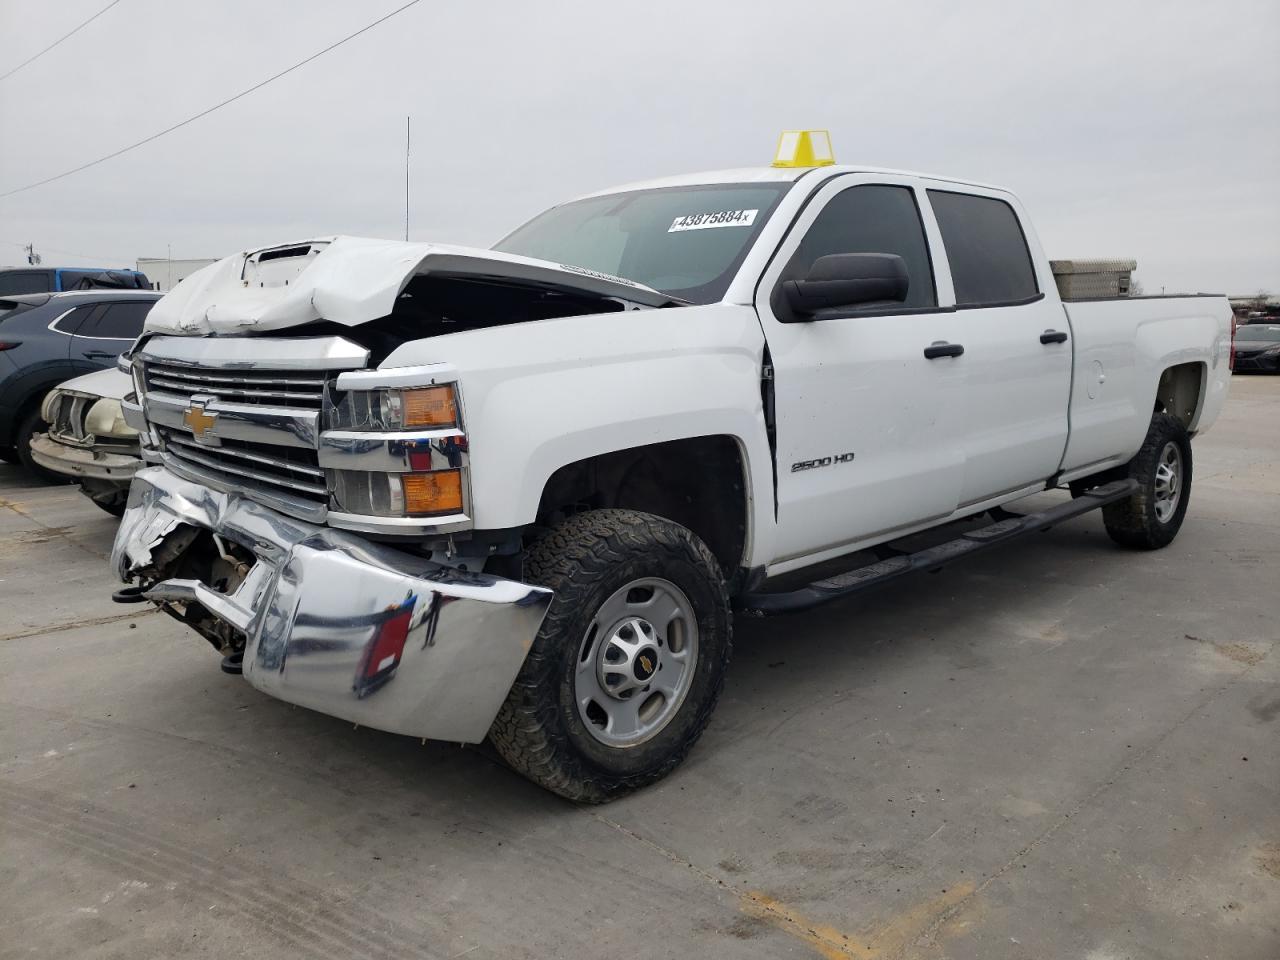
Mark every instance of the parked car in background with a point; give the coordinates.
(88, 440)
(19, 280)
(1258, 348)
(48, 338)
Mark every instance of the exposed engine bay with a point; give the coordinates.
(436, 305)
(192, 553)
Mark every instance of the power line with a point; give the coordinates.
(4, 76)
(216, 106)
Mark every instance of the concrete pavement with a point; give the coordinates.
(1057, 749)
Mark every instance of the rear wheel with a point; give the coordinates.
(629, 663)
(1151, 518)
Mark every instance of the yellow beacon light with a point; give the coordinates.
(804, 148)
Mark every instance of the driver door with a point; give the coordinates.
(868, 428)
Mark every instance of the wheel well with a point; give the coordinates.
(20, 414)
(1179, 393)
(699, 483)
(30, 390)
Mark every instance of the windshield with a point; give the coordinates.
(1266, 334)
(685, 241)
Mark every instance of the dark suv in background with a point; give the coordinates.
(19, 280)
(46, 338)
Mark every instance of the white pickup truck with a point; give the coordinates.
(517, 493)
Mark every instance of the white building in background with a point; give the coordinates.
(165, 274)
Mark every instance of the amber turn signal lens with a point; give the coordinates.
(428, 407)
(439, 491)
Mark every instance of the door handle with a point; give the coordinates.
(1053, 336)
(100, 355)
(942, 349)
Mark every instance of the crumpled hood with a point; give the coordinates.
(350, 280)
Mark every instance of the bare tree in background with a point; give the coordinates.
(1135, 287)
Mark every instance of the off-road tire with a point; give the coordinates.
(112, 501)
(1133, 522)
(31, 424)
(585, 559)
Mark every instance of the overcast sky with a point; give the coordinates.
(1149, 130)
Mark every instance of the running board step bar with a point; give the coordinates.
(932, 558)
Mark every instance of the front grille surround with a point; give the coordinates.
(69, 413)
(244, 412)
(284, 466)
(254, 416)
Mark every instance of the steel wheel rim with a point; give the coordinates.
(1168, 484)
(636, 662)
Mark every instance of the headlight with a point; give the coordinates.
(431, 494)
(106, 419)
(407, 408)
(394, 449)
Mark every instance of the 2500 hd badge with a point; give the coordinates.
(800, 465)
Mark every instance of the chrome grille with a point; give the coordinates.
(244, 413)
(278, 388)
(288, 469)
(282, 468)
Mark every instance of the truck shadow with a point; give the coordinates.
(957, 618)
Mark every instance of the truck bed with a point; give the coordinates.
(1121, 347)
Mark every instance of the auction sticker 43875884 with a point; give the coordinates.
(721, 218)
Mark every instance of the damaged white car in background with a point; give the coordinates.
(88, 439)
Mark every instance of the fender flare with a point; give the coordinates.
(31, 385)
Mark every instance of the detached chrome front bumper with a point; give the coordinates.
(340, 624)
(91, 463)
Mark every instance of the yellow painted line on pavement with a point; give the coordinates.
(886, 941)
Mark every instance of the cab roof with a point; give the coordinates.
(773, 175)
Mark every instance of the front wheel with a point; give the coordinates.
(629, 662)
(109, 497)
(31, 424)
(1150, 519)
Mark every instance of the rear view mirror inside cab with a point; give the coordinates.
(842, 280)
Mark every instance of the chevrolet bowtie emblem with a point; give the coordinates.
(198, 421)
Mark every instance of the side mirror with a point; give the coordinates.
(847, 280)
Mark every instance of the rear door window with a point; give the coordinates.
(990, 261)
(116, 321)
(71, 323)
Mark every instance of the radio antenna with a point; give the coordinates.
(406, 178)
